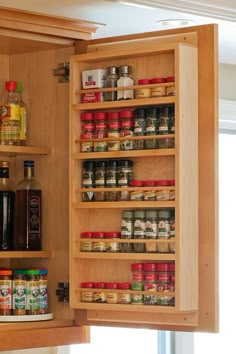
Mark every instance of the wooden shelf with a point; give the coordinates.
(24, 150)
(25, 254)
(131, 256)
(124, 204)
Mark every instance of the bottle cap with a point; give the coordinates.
(10, 85)
(28, 163)
(19, 87)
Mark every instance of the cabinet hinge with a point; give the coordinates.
(62, 292)
(63, 72)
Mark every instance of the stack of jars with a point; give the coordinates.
(100, 241)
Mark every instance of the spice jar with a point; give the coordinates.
(43, 291)
(88, 178)
(113, 245)
(127, 129)
(149, 194)
(98, 245)
(87, 122)
(170, 89)
(143, 92)
(162, 194)
(111, 82)
(19, 292)
(111, 180)
(100, 175)
(125, 176)
(150, 283)
(172, 232)
(127, 230)
(125, 79)
(100, 131)
(139, 230)
(137, 283)
(124, 297)
(151, 230)
(113, 131)
(139, 128)
(158, 91)
(163, 230)
(87, 146)
(99, 295)
(86, 244)
(112, 296)
(32, 292)
(5, 292)
(151, 126)
(87, 295)
(136, 194)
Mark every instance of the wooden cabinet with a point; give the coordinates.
(179, 163)
(31, 47)
(179, 53)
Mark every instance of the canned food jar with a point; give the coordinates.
(143, 92)
(158, 91)
(43, 291)
(112, 296)
(170, 90)
(87, 295)
(5, 292)
(124, 298)
(98, 245)
(99, 295)
(113, 245)
(32, 292)
(19, 292)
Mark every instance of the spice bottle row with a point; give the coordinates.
(23, 292)
(118, 173)
(156, 278)
(147, 225)
(140, 122)
(121, 77)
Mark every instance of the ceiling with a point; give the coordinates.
(125, 19)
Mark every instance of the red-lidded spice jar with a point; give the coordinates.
(113, 245)
(136, 194)
(158, 91)
(163, 194)
(170, 90)
(98, 245)
(87, 296)
(137, 283)
(150, 284)
(100, 131)
(149, 194)
(143, 92)
(86, 245)
(99, 296)
(127, 128)
(5, 292)
(87, 121)
(112, 297)
(87, 146)
(124, 298)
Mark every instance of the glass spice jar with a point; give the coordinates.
(151, 126)
(158, 91)
(111, 180)
(19, 292)
(111, 82)
(163, 230)
(88, 178)
(113, 245)
(143, 92)
(100, 119)
(136, 194)
(137, 283)
(87, 146)
(139, 230)
(151, 230)
(86, 243)
(87, 294)
(162, 194)
(139, 128)
(127, 129)
(149, 194)
(114, 131)
(99, 295)
(100, 178)
(127, 230)
(98, 245)
(124, 178)
(112, 296)
(124, 297)
(170, 89)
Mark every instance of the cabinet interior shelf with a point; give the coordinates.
(130, 189)
(25, 254)
(139, 137)
(131, 256)
(24, 150)
(128, 153)
(137, 102)
(124, 204)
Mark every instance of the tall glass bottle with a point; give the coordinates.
(23, 114)
(7, 201)
(28, 211)
(10, 116)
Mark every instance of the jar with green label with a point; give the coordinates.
(127, 230)
(163, 230)
(139, 230)
(32, 292)
(151, 230)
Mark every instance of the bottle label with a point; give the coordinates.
(32, 295)
(34, 215)
(5, 294)
(43, 294)
(22, 123)
(19, 294)
(10, 111)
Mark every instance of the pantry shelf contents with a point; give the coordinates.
(133, 184)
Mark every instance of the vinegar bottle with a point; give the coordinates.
(28, 211)
(7, 200)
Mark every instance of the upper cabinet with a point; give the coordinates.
(31, 47)
(103, 272)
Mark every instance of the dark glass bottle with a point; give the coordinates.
(7, 201)
(28, 211)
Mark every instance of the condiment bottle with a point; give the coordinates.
(111, 82)
(7, 207)
(5, 292)
(28, 211)
(43, 291)
(19, 292)
(32, 292)
(125, 80)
